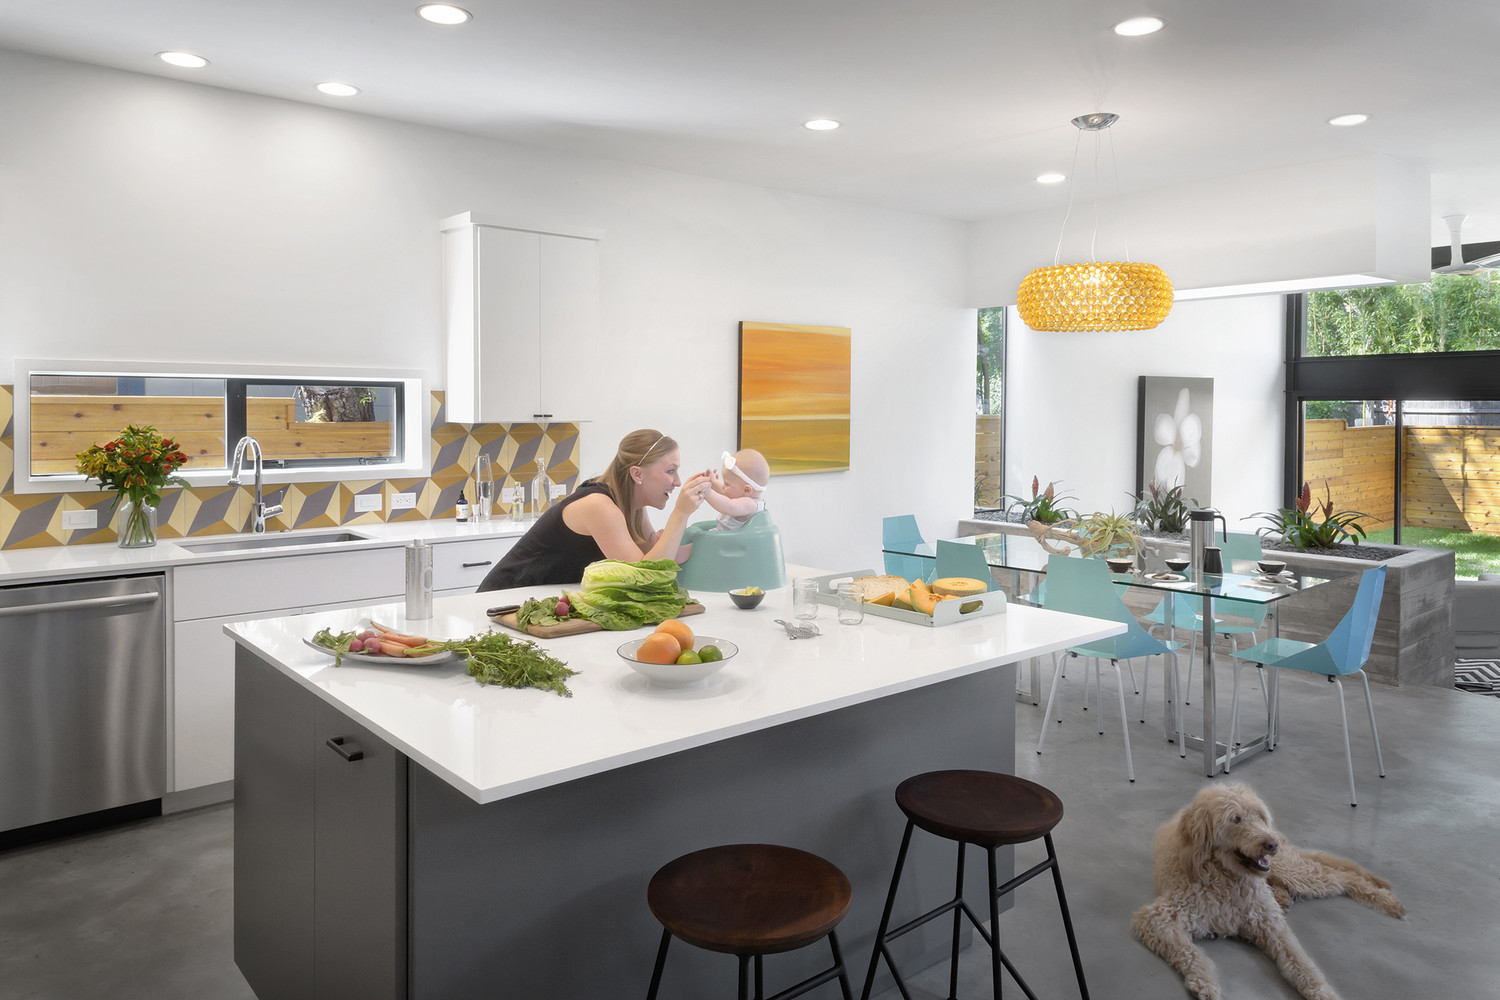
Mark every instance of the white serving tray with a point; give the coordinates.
(991, 602)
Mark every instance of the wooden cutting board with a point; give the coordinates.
(576, 627)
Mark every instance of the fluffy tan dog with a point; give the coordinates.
(1221, 870)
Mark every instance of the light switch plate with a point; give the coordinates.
(80, 520)
(364, 502)
(557, 491)
(507, 494)
(403, 501)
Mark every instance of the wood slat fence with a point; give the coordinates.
(1450, 475)
(62, 426)
(987, 459)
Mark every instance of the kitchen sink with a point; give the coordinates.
(269, 540)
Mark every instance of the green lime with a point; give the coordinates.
(688, 656)
(708, 654)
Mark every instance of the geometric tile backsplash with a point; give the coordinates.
(31, 520)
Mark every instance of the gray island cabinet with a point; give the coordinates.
(403, 832)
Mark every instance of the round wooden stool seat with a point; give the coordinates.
(749, 899)
(979, 807)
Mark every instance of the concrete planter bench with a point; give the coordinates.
(1414, 634)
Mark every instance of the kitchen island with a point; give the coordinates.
(403, 832)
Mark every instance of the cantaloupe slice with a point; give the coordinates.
(923, 601)
(959, 586)
(901, 601)
(885, 599)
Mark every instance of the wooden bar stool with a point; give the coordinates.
(751, 900)
(990, 811)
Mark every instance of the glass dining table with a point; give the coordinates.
(1244, 582)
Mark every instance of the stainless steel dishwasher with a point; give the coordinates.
(82, 697)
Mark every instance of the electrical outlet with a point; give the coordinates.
(403, 501)
(80, 520)
(556, 491)
(365, 502)
(507, 494)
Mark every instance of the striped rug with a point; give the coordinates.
(1479, 676)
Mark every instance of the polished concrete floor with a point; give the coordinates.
(144, 910)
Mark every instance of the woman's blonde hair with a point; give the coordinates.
(636, 449)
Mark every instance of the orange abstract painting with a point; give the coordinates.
(794, 396)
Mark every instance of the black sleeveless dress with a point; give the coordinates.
(550, 553)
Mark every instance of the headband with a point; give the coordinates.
(645, 454)
(729, 464)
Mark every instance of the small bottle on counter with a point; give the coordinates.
(418, 580)
(461, 509)
(541, 487)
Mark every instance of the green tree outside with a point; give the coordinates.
(1452, 312)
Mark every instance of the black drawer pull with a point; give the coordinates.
(473, 564)
(351, 753)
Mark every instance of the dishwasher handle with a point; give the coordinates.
(123, 600)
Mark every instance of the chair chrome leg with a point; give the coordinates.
(1134, 687)
(1124, 720)
(1348, 753)
(1146, 687)
(1099, 691)
(1370, 707)
(1051, 699)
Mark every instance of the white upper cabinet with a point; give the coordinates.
(519, 304)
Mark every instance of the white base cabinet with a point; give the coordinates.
(208, 597)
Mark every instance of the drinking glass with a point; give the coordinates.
(484, 488)
(851, 604)
(805, 599)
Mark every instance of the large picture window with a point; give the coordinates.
(1393, 410)
(989, 407)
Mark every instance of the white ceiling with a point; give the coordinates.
(951, 107)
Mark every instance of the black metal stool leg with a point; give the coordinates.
(1062, 902)
(958, 924)
(661, 961)
(838, 962)
(760, 978)
(744, 993)
(885, 918)
(994, 923)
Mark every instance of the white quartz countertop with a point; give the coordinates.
(492, 742)
(108, 559)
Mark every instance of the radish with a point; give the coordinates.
(564, 609)
(356, 645)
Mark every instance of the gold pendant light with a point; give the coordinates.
(1098, 295)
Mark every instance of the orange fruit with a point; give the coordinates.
(658, 647)
(678, 631)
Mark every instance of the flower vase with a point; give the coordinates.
(137, 526)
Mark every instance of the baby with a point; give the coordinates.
(736, 490)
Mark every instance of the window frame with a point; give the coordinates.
(411, 419)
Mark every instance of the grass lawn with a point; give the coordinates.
(1473, 553)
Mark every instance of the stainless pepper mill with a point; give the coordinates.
(418, 580)
(1201, 533)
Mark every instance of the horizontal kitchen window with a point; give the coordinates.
(310, 425)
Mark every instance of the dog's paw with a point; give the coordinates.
(1389, 904)
(1203, 988)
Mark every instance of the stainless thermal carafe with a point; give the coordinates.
(1201, 533)
(418, 580)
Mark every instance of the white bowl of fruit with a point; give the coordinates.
(673, 656)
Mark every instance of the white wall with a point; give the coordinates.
(149, 219)
(1071, 412)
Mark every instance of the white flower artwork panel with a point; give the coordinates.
(1174, 436)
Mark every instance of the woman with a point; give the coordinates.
(605, 518)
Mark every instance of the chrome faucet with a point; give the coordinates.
(258, 510)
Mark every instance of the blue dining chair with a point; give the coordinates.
(1345, 651)
(1085, 587)
(963, 559)
(901, 532)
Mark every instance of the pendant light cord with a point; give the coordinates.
(1115, 166)
(1094, 238)
(1072, 180)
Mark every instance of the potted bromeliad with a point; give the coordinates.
(1311, 526)
(1044, 506)
(1162, 510)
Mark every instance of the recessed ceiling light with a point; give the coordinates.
(822, 124)
(443, 13)
(1051, 178)
(184, 59)
(1140, 26)
(1346, 120)
(333, 89)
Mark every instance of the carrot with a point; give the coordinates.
(424, 650)
(391, 635)
(392, 648)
